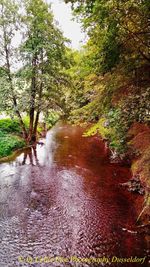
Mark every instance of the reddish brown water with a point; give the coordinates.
(63, 199)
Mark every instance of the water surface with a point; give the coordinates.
(62, 199)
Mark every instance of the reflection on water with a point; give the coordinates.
(61, 198)
(40, 155)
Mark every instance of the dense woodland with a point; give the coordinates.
(112, 80)
(112, 71)
(106, 83)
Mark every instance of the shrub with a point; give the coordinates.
(8, 143)
(10, 126)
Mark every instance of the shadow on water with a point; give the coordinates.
(61, 198)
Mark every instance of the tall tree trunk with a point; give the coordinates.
(38, 111)
(32, 99)
(34, 134)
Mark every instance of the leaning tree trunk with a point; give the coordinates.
(24, 131)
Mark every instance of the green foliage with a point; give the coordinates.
(52, 118)
(9, 143)
(101, 128)
(136, 108)
(118, 32)
(26, 121)
(42, 55)
(118, 138)
(117, 63)
(110, 128)
(87, 113)
(10, 126)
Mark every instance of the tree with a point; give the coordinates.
(117, 63)
(8, 27)
(34, 85)
(44, 52)
(118, 30)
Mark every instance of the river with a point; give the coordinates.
(61, 205)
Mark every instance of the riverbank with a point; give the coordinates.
(13, 154)
(10, 137)
(139, 146)
(137, 155)
(11, 140)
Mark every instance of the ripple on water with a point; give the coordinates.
(64, 202)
